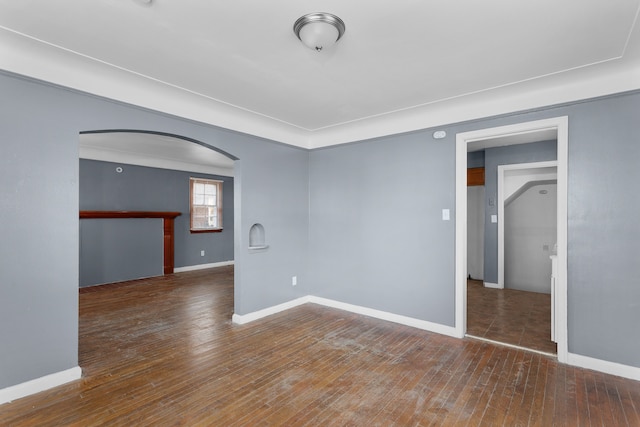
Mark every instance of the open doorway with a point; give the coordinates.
(524, 133)
(527, 222)
(517, 309)
(149, 172)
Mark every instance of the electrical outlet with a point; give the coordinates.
(294, 280)
(202, 253)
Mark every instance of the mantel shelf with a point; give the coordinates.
(128, 214)
(167, 227)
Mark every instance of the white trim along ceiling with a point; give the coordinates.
(399, 67)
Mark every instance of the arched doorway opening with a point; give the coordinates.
(148, 171)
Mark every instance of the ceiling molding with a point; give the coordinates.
(595, 81)
(31, 57)
(34, 58)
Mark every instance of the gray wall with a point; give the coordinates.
(39, 229)
(494, 157)
(377, 240)
(604, 233)
(114, 250)
(359, 223)
(377, 237)
(39, 128)
(475, 159)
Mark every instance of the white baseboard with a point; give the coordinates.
(573, 359)
(605, 366)
(202, 266)
(241, 319)
(39, 384)
(378, 314)
(390, 317)
(492, 285)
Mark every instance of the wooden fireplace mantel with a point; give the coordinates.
(168, 228)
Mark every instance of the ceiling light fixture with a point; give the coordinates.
(319, 30)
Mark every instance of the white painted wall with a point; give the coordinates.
(515, 179)
(529, 236)
(475, 232)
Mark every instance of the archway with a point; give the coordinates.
(139, 170)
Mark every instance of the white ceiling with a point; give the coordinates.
(401, 65)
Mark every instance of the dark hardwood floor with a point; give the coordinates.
(163, 352)
(510, 316)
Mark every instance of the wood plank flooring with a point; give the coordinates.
(510, 316)
(163, 352)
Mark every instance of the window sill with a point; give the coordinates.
(216, 230)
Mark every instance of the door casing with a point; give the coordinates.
(561, 127)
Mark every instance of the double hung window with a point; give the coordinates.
(206, 205)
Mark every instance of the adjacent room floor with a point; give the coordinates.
(510, 316)
(163, 352)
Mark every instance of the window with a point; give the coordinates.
(206, 205)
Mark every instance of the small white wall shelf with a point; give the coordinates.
(257, 241)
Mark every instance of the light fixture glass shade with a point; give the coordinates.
(317, 35)
(319, 30)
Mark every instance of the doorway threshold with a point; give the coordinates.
(518, 347)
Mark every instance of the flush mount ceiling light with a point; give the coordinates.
(319, 30)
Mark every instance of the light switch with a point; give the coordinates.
(494, 219)
(445, 215)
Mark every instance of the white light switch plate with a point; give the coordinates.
(445, 215)
(494, 219)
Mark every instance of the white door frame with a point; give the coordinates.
(500, 202)
(561, 126)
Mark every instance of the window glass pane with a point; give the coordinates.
(210, 200)
(199, 222)
(204, 210)
(212, 217)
